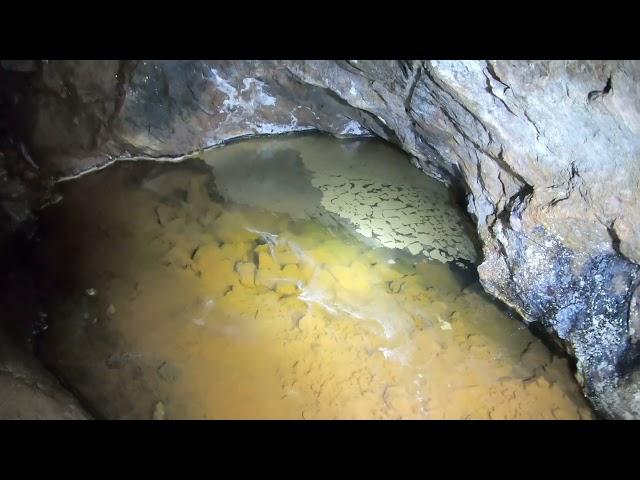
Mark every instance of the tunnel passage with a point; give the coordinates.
(487, 126)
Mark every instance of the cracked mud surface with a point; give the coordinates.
(167, 302)
(367, 185)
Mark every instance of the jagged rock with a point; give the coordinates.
(285, 287)
(246, 271)
(265, 259)
(546, 152)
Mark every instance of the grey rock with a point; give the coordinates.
(168, 372)
(28, 391)
(23, 66)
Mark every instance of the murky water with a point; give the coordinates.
(297, 278)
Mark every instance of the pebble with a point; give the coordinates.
(284, 287)
(158, 411)
(415, 248)
(168, 372)
(246, 271)
(116, 360)
(444, 325)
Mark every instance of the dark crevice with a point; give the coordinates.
(197, 101)
(464, 107)
(615, 239)
(489, 87)
(596, 94)
(495, 76)
(532, 123)
(414, 84)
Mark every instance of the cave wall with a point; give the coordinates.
(29, 391)
(547, 152)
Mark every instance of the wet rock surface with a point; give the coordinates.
(546, 151)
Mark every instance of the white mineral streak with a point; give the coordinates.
(353, 128)
(251, 96)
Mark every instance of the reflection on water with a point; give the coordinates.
(246, 286)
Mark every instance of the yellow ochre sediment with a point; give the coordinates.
(206, 307)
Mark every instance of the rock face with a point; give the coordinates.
(29, 392)
(546, 151)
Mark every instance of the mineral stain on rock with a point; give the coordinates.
(258, 295)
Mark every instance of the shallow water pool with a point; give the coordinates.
(290, 278)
